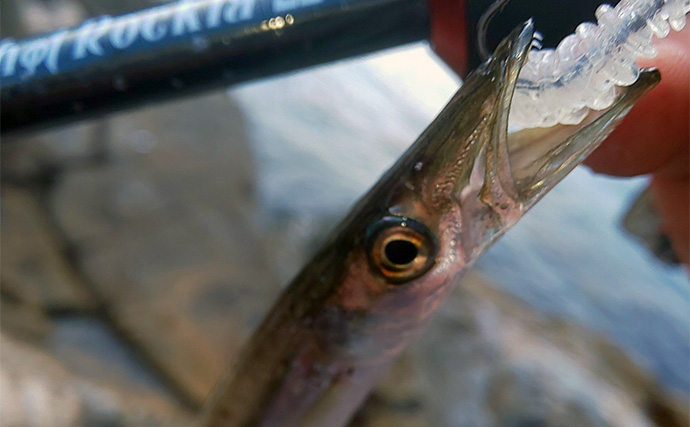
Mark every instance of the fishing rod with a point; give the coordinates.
(109, 63)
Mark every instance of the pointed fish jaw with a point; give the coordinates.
(521, 167)
(492, 178)
(515, 171)
(470, 134)
(540, 158)
(459, 167)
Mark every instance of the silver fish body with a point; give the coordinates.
(386, 269)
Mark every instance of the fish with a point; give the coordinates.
(374, 285)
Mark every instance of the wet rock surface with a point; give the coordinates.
(134, 265)
(643, 221)
(37, 390)
(34, 269)
(163, 231)
(130, 255)
(503, 363)
(139, 269)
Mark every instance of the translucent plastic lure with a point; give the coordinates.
(561, 85)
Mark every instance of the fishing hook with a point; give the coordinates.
(483, 24)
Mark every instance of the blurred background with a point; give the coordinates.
(139, 252)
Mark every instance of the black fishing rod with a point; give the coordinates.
(112, 63)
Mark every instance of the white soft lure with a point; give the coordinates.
(561, 85)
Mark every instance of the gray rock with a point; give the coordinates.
(22, 321)
(35, 159)
(26, 17)
(183, 294)
(399, 400)
(34, 268)
(158, 159)
(163, 230)
(88, 347)
(492, 360)
(39, 391)
(643, 221)
(10, 25)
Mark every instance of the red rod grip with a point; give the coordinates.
(449, 37)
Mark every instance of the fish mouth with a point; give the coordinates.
(466, 168)
(488, 177)
(527, 163)
(541, 157)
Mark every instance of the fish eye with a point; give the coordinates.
(400, 249)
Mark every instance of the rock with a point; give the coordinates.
(38, 17)
(35, 159)
(163, 230)
(89, 348)
(23, 321)
(158, 159)
(34, 268)
(10, 25)
(38, 391)
(398, 401)
(492, 360)
(643, 222)
(185, 294)
(20, 19)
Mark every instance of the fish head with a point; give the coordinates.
(460, 186)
